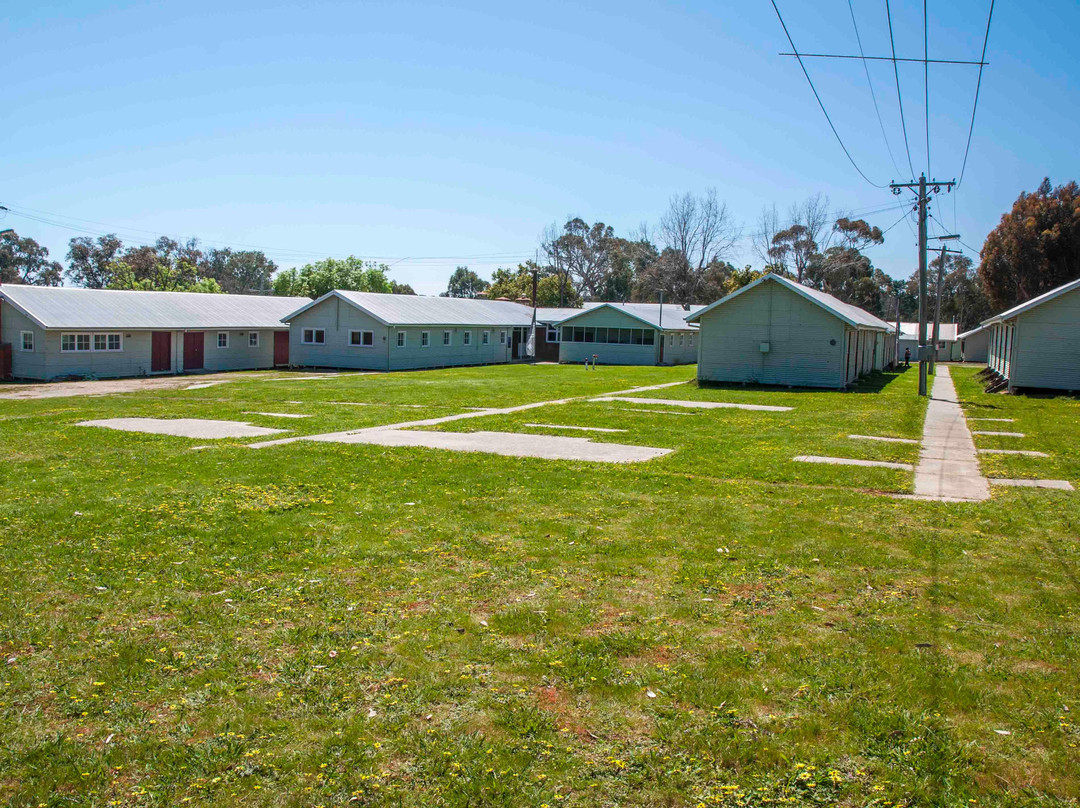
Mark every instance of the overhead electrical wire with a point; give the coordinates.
(870, 84)
(839, 140)
(926, 79)
(978, 84)
(899, 96)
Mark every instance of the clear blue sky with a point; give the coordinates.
(456, 132)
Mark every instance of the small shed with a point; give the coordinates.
(948, 344)
(374, 331)
(1037, 344)
(61, 331)
(974, 344)
(777, 331)
(629, 334)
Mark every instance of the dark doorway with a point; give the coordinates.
(281, 348)
(661, 337)
(193, 350)
(515, 341)
(160, 351)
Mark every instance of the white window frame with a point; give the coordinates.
(22, 341)
(402, 339)
(552, 334)
(446, 339)
(425, 339)
(690, 341)
(75, 337)
(221, 334)
(682, 337)
(361, 332)
(253, 339)
(502, 337)
(466, 337)
(305, 332)
(485, 338)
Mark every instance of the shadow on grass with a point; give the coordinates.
(874, 382)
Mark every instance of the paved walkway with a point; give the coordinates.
(948, 467)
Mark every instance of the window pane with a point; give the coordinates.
(320, 336)
(601, 335)
(590, 334)
(649, 337)
(100, 343)
(368, 338)
(445, 337)
(114, 342)
(635, 336)
(67, 342)
(82, 342)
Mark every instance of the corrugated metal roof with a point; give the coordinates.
(946, 331)
(104, 309)
(554, 315)
(421, 310)
(1045, 297)
(850, 314)
(967, 334)
(673, 319)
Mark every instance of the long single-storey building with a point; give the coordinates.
(948, 345)
(628, 334)
(1037, 344)
(56, 331)
(777, 331)
(974, 344)
(372, 331)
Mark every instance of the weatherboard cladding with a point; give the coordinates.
(946, 331)
(419, 310)
(1045, 297)
(71, 309)
(1046, 344)
(673, 318)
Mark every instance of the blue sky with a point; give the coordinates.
(453, 133)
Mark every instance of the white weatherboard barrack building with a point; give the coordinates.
(1037, 344)
(777, 331)
(629, 334)
(56, 332)
(948, 344)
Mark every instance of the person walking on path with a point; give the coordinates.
(907, 357)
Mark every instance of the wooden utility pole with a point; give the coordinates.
(937, 306)
(924, 198)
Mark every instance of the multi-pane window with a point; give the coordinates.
(401, 339)
(362, 339)
(608, 336)
(485, 338)
(253, 339)
(223, 339)
(27, 338)
(466, 338)
(425, 339)
(75, 342)
(313, 336)
(552, 334)
(445, 337)
(502, 337)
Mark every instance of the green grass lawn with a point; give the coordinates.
(326, 624)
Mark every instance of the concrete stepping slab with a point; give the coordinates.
(883, 439)
(656, 412)
(578, 428)
(701, 405)
(1001, 420)
(1000, 434)
(185, 427)
(1059, 485)
(278, 414)
(850, 461)
(510, 444)
(1025, 452)
(203, 385)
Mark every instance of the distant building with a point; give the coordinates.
(948, 346)
(56, 332)
(371, 331)
(777, 331)
(1037, 344)
(974, 344)
(628, 334)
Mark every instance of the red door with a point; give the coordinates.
(160, 351)
(281, 347)
(193, 350)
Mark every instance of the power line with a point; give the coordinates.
(870, 83)
(884, 58)
(818, 97)
(899, 97)
(926, 79)
(978, 84)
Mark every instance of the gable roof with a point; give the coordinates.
(972, 332)
(58, 307)
(673, 319)
(556, 314)
(1045, 297)
(406, 310)
(852, 315)
(946, 331)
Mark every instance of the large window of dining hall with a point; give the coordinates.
(608, 336)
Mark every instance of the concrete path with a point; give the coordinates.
(575, 428)
(851, 461)
(701, 405)
(1059, 485)
(882, 439)
(948, 467)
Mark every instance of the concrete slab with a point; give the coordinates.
(699, 405)
(849, 461)
(184, 427)
(948, 467)
(1060, 485)
(578, 428)
(656, 412)
(510, 444)
(1000, 434)
(278, 414)
(203, 385)
(883, 439)
(1025, 452)
(1002, 420)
